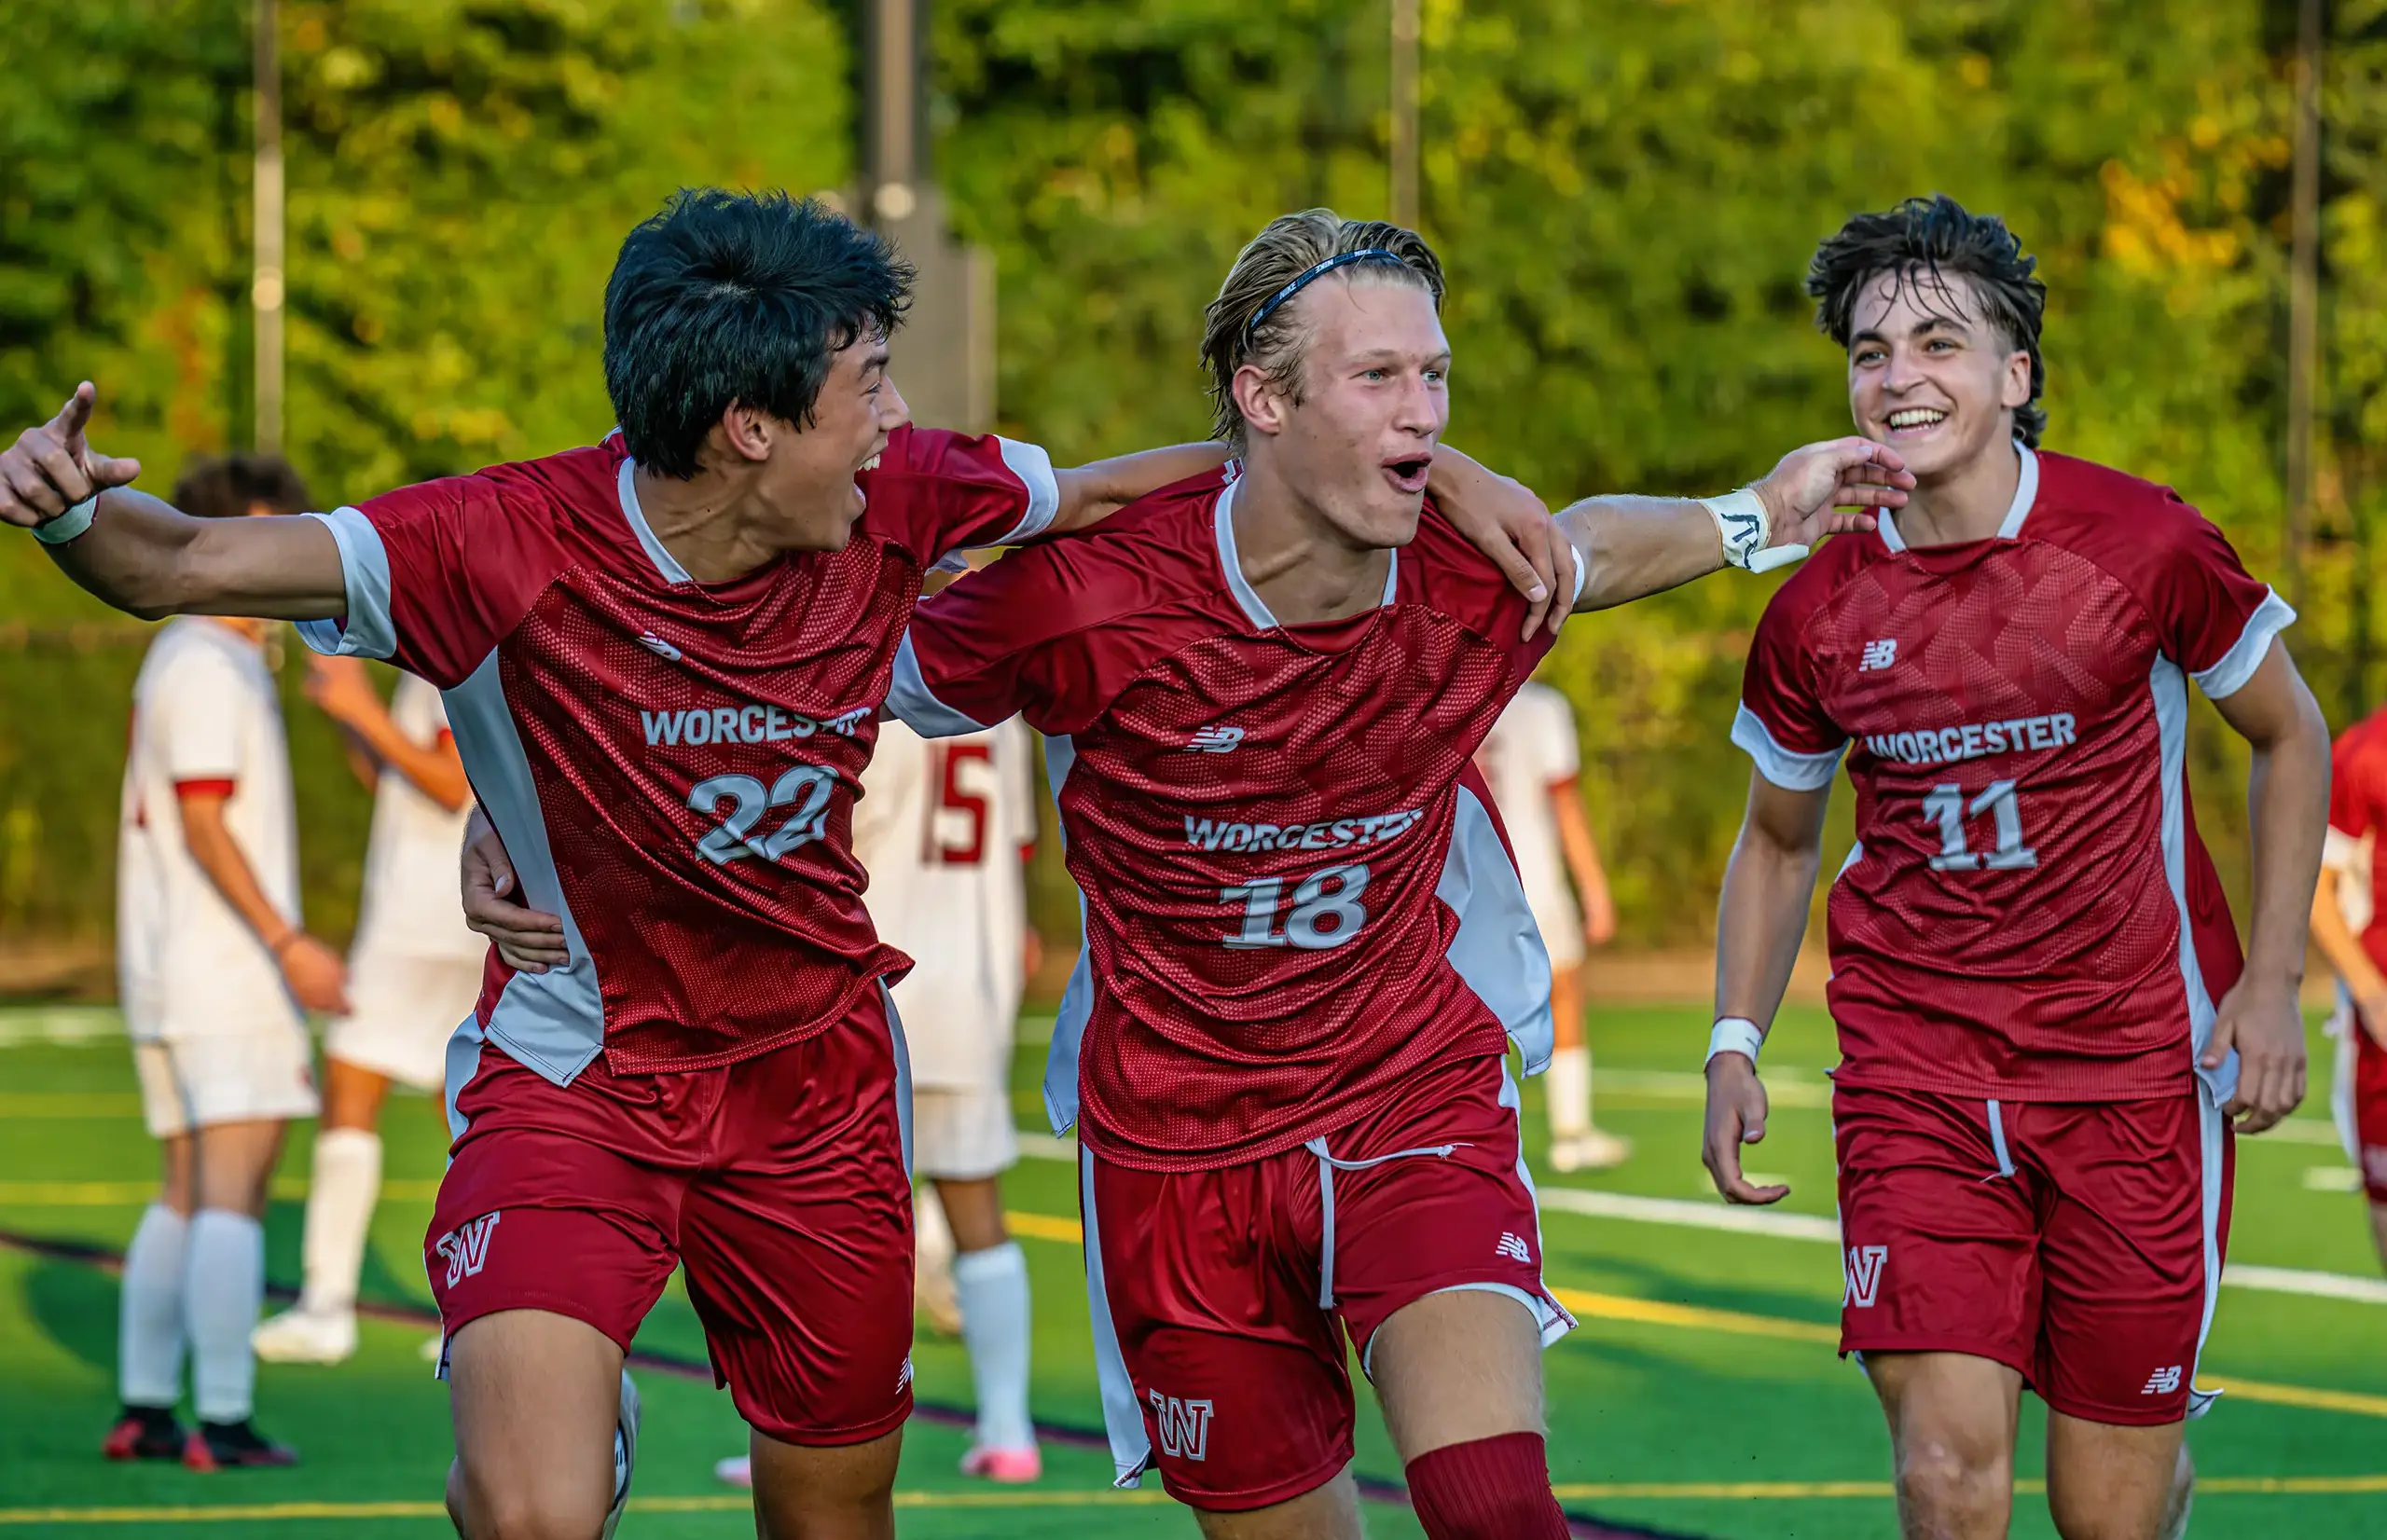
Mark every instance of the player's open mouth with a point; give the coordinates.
(872, 464)
(1913, 420)
(1410, 474)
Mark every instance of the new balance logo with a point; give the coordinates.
(2163, 1382)
(466, 1247)
(1877, 654)
(1184, 1426)
(903, 1375)
(1514, 1248)
(659, 647)
(1215, 740)
(1866, 1265)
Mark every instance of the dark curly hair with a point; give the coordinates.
(1924, 242)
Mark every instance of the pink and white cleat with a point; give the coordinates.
(1011, 1466)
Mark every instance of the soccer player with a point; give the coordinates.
(2346, 923)
(1530, 761)
(663, 657)
(214, 967)
(1307, 945)
(415, 971)
(2044, 1022)
(942, 828)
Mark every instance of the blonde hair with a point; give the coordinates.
(1282, 254)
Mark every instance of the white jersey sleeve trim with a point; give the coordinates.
(2238, 665)
(1034, 468)
(915, 706)
(1785, 768)
(2340, 852)
(364, 570)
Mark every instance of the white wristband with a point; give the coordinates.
(1746, 531)
(68, 525)
(1735, 1035)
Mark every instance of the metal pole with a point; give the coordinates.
(266, 287)
(2304, 292)
(1403, 170)
(891, 144)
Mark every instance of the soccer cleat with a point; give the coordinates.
(306, 1337)
(233, 1446)
(1594, 1150)
(738, 1471)
(144, 1433)
(625, 1456)
(1010, 1466)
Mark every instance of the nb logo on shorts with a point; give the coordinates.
(903, 1375)
(2163, 1382)
(1877, 654)
(1184, 1426)
(1215, 740)
(1514, 1248)
(466, 1247)
(1866, 1265)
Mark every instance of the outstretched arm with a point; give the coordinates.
(142, 555)
(1634, 546)
(2287, 796)
(341, 688)
(1759, 926)
(1093, 492)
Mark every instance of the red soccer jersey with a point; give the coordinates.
(2357, 814)
(2028, 913)
(1297, 896)
(673, 765)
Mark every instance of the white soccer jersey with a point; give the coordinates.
(1529, 750)
(940, 828)
(205, 712)
(412, 907)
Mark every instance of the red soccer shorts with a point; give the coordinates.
(2077, 1243)
(779, 1181)
(2367, 1103)
(1213, 1339)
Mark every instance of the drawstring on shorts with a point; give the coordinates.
(1326, 1166)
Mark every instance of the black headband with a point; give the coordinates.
(1369, 253)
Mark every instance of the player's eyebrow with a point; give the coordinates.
(1394, 355)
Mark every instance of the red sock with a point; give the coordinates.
(1492, 1489)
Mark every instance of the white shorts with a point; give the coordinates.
(963, 1135)
(403, 1011)
(240, 1077)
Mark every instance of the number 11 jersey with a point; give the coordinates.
(1297, 893)
(2028, 913)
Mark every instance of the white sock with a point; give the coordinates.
(992, 1286)
(346, 1181)
(1569, 1085)
(223, 1287)
(149, 1316)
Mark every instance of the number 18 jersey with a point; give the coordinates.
(1297, 895)
(2028, 913)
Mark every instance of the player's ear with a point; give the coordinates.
(1259, 399)
(2016, 392)
(746, 432)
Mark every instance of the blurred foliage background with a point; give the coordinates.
(1626, 193)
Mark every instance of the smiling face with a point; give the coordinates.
(1375, 400)
(1930, 374)
(807, 473)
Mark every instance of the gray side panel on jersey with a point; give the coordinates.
(1123, 1415)
(1497, 951)
(464, 1057)
(911, 702)
(364, 571)
(552, 1022)
(1077, 999)
(903, 1073)
(2170, 691)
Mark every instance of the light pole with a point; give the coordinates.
(2303, 293)
(1403, 170)
(265, 286)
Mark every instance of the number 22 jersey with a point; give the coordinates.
(1297, 894)
(673, 765)
(2028, 913)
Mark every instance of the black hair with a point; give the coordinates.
(1924, 242)
(230, 485)
(728, 297)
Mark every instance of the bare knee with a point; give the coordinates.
(1952, 1481)
(513, 1503)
